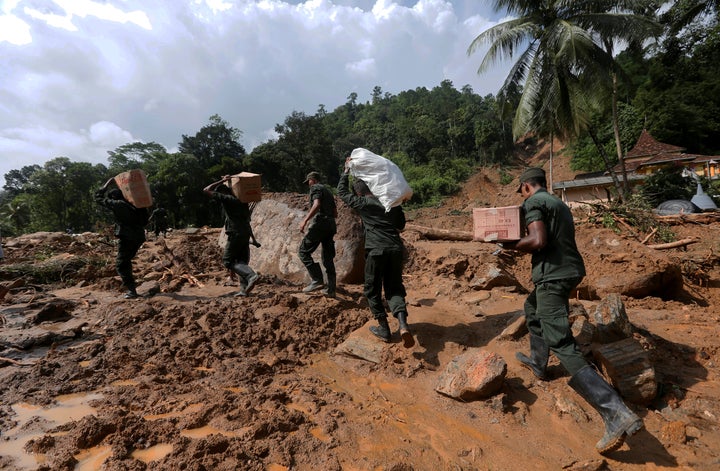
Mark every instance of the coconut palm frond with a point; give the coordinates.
(504, 40)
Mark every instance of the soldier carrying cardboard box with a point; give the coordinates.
(129, 229)
(557, 269)
(236, 256)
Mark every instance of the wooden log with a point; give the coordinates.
(672, 245)
(694, 218)
(432, 233)
(629, 370)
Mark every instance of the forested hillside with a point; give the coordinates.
(665, 79)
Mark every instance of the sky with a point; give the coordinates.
(79, 78)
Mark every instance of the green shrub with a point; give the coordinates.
(505, 178)
(667, 184)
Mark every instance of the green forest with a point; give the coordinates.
(592, 73)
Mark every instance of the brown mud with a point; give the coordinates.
(190, 377)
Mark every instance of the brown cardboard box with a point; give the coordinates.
(503, 224)
(247, 187)
(135, 188)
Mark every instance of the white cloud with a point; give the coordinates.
(362, 67)
(14, 30)
(85, 8)
(22, 145)
(108, 135)
(97, 75)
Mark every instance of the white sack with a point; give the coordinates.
(384, 178)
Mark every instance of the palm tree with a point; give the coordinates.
(561, 64)
(639, 26)
(681, 14)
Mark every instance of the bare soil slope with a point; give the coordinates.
(190, 377)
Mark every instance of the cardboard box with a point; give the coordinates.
(247, 187)
(135, 188)
(503, 224)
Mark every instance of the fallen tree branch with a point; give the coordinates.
(4, 361)
(652, 233)
(627, 226)
(672, 245)
(440, 234)
(192, 280)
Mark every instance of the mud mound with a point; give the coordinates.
(211, 362)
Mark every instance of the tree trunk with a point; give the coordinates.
(608, 166)
(440, 234)
(616, 131)
(550, 182)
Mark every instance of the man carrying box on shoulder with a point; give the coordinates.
(237, 228)
(129, 229)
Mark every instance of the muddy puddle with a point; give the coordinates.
(34, 422)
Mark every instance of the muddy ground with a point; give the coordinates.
(190, 377)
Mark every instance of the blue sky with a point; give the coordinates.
(81, 77)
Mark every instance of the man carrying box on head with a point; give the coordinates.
(321, 231)
(557, 269)
(129, 229)
(237, 228)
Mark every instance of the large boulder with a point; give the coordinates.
(492, 275)
(661, 279)
(627, 365)
(276, 225)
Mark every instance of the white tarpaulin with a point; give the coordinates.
(384, 178)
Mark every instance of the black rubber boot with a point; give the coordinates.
(539, 354)
(330, 290)
(313, 286)
(252, 281)
(405, 334)
(382, 330)
(131, 292)
(316, 277)
(620, 422)
(248, 275)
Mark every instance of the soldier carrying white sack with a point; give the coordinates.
(383, 256)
